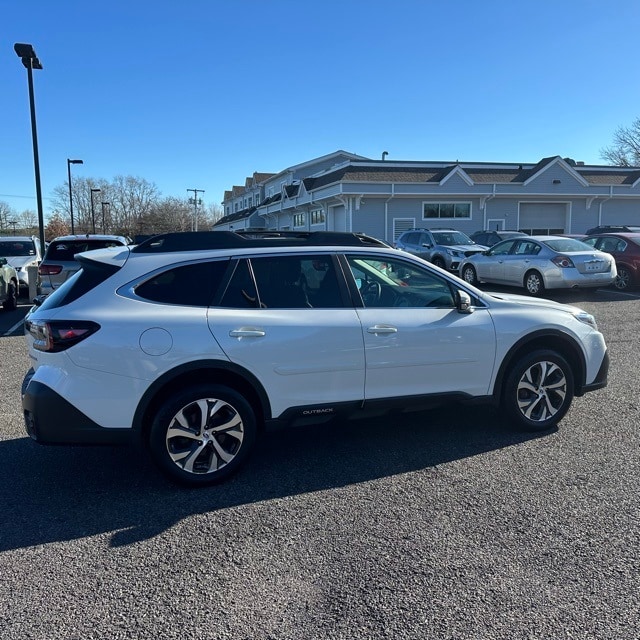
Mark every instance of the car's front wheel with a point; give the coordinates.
(439, 262)
(538, 390)
(202, 434)
(469, 275)
(11, 301)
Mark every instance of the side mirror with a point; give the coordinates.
(463, 302)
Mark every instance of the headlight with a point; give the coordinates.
(587, 318)
(454, 253)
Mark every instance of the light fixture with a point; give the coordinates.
(30, 61)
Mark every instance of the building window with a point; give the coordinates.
(317, 217)
(299, 220)
(447, 210)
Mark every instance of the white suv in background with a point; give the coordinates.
(21, 253)
(195, 342)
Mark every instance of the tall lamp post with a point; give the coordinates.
(93, 212)
(69, 163)
(107, 204)
(30, 61)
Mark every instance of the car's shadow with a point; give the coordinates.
(61, 493)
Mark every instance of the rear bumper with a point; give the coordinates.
(50, 419)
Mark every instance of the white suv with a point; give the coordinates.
(196, 342)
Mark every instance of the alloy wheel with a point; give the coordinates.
(542, 391)
(205, 436)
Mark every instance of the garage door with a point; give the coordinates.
(543, 217)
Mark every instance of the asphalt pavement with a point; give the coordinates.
(443, 524)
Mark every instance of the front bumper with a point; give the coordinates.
(50, 419)
(601, 378)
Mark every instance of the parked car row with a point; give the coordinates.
(18, 253)
(536, 263)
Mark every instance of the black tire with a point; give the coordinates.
(469, 275)
(623, 279)
(439, 262)
(11, 301)
(533, 283)
(538, 390)
(202, 457)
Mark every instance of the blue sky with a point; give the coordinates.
(200, 94)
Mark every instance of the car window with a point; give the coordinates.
(411, 238)
(612, 245)
(565, 244)
(502, 248)
(14, 249)
(526, 248)
(66, 251)
(281, 282)
(190, 285)
(592, 242)
(396, 283)
(241, 292)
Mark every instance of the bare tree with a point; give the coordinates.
(625, 150)
(6, 214)
(168, 214)
(28, 221)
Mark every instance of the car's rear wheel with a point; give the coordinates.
(623, 279)
(11, 301)
(469, 275)
(202, 434)
(439, 262)
(533, 283)
(538, 390)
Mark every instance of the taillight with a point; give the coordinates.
(57, 335)
(49, 269)
(562, 262)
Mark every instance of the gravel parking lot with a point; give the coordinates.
(438, 525)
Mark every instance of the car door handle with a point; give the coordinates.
(247, 332)
(382, 328)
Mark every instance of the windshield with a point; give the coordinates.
(566, 245)
(449, 238)
(13, 248)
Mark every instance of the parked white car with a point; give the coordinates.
(195, 342)
(21, 253)
(8, 286)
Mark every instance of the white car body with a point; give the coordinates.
(301, 362)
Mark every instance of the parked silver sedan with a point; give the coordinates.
(540, 262)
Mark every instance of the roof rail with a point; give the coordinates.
(205, 240)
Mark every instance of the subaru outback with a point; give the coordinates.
(194, 343)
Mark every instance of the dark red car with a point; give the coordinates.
(625, 248)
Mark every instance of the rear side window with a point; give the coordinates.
(192, 285)
(66, 251)
(91, 275)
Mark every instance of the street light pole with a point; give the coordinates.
(69, 163)
(103, 204)
(194, 202)
(93, 212)
(30, 61)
